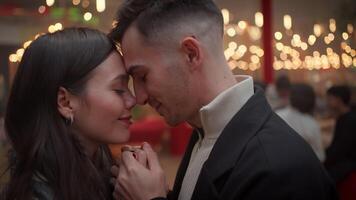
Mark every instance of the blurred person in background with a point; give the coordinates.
(341, 154)
(69, 99)
(278, 94)
(299, 115)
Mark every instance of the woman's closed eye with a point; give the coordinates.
(120, 91)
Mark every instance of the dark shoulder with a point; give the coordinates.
(282, 149)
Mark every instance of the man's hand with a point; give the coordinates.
(136, 181)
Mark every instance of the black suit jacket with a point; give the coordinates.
(258, 157)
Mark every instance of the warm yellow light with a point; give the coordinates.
(242, 65)
(20, 52)
(259, 19)
(231, 32)
(255, 59)
(226, 16)
(331, 36)
(327, 40)
(87, 16)
(232, 64)
(348, 49)
(76, 2)
(304, 46)
(38, 35)
(295, 54)
(283, 56)
(345, 36)
(347, 61)
(279, 46)
(350, 28)
(100, 5)
(296, 37)
(317, 30)
(329, 51)
(278, 35)
(278, 65)
(253, 49)
(42, 9)
(13, 58)
(332, 25)
(288, 65)
(287, 22)
(353, 52)
(293, 43)
(242, 48)
(242, 25)
(287, 50)
(51, 29)
(237, 55)
(311, 39)
(260, 53)
(27, 44)
(316, 54)
(254, 32)
(58, 26)
(49, 2)
(354, 62)
(228, 53)
(233, 45)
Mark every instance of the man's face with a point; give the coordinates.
(160, 77)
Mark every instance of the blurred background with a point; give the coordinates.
(305, 41)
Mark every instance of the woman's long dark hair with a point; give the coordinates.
(42, 141)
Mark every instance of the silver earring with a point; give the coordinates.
(71, 119)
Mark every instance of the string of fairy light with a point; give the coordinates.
(290, 49)
(290, 55)
(87, 16)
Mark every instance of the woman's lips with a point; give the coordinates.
(126, 120)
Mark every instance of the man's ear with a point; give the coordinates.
(65, 103)
(192, 50)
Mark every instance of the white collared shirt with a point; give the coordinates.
(214, 116)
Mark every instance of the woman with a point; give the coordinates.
(69, 99)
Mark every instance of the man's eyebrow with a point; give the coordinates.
(133, 69)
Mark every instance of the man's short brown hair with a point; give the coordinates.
(153, 16)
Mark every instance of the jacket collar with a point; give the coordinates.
(229, 146)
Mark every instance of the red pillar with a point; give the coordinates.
(267, 41)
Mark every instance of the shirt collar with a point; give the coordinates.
(222, 108)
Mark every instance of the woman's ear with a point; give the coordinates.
(65, 102)
(193, 52)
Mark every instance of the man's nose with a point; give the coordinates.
(130, 101)
(141, 95)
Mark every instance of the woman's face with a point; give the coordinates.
(103, 112)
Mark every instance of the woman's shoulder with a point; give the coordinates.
(41, 189)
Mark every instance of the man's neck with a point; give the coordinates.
(213, 87)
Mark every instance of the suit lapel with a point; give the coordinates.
(229, 146)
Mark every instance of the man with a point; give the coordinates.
(240, 148)
(341, 154)
(299, 116)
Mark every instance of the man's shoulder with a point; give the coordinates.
(280, 147)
